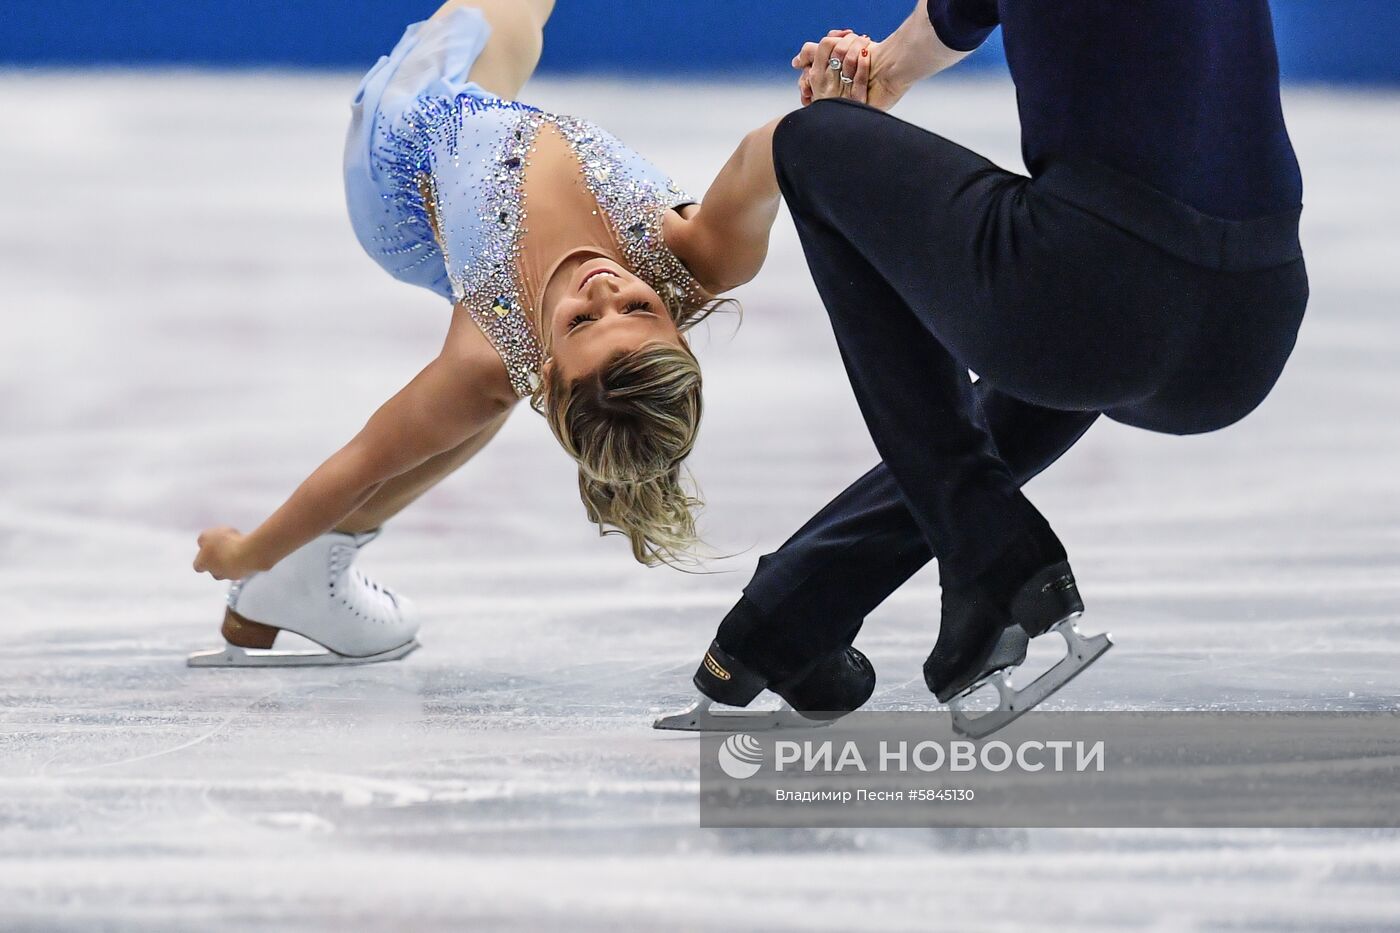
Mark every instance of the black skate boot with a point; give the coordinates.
(987, 626)
(977, 637)
(831, 687)
(1030, 586)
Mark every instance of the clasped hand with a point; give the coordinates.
(846, 65)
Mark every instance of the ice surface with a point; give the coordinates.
(190, 327)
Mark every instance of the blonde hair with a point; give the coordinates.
(630, 425)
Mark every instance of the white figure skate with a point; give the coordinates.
(316, 593)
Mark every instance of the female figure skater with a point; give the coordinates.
(1149, 269)
(574, 268)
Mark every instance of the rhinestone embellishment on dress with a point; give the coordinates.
(487, 282)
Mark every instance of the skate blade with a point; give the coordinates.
(700, 717)
(234, 656)
(1012, 704)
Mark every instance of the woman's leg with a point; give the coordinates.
(516, 40)
(396, 494)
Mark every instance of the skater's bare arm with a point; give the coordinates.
(724, 241)
(455, 397)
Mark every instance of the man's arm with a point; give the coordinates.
(963, 25)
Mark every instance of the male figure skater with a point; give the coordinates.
(1148, 269)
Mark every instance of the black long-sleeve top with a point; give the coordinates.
(1181, 94)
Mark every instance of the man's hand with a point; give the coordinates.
(876, 73)
(864, 65)
(820, 79)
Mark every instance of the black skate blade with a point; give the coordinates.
(1012, 704)
(701, 717)
(234, 656)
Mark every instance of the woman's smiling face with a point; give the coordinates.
(604, 312)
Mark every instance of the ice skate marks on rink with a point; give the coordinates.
(191, 327)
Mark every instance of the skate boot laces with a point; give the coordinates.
(357, 593)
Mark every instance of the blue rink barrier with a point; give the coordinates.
(1353, 41)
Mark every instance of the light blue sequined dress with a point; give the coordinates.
(420, 128)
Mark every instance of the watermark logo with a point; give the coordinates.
(1087, 769)
(740, 756)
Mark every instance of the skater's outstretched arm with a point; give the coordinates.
(724, 241)
(459, 395)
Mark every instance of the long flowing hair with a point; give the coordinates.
(629, 426)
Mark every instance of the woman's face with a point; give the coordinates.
(602, 312)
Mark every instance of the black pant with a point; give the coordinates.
(1080, 292)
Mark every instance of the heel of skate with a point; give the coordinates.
(829, 689)
(1047, 599)
(726, 679)
(245, 633)
(1081, 651)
